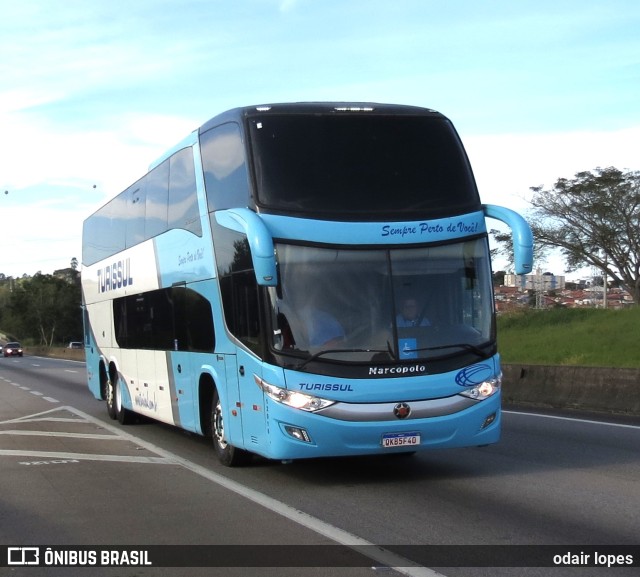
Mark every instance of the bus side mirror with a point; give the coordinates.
(259, 238)
(522, 236)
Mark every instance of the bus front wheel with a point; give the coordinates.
(229, 455)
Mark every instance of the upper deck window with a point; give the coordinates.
(355, 166)
(225, 168)
(166, 198)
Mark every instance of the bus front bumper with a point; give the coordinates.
(367, 429)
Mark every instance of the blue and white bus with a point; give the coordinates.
(302, 280)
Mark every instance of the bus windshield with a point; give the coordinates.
(393, 305)
(361, 166)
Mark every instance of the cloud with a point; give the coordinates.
(507, 165)
(50, 171)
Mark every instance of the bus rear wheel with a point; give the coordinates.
(228, 455)
(124, 415)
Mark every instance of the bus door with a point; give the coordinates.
(252, 400)
(183, 381)
(191, 355)
(226, 381)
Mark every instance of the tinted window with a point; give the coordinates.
(193, 320)
(104, 233)
(135, 215)
(361, 166)
(157, 182)
(241, 310)
(164, 199)
(238, 286)
(175, 318)
(225, 172)
(183, 199)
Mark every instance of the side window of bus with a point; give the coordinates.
(164, 199)
(183, 209)
(175, 318)
(104, 232)
(193, 321)
(224, 165)
(135, 198)
(157, 200)
(238, 285)
(241, 310)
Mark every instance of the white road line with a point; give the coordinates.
(376, 553)
(590, 422)
(101, 437)
(86, 457)
(37, 393)
(41, 417)
(51, 399)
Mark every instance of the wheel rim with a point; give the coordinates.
(218, 426)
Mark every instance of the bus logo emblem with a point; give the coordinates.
(402, 410)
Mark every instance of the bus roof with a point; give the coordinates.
(236, 114)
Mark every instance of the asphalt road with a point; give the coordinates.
(71, 476)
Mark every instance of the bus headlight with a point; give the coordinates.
(484, 390)
(294, 399)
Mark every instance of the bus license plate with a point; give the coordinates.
(391, 440)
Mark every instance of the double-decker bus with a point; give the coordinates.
(302, 280)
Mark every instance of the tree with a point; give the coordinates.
(44, 309)
(594, 219)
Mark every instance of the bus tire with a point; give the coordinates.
(124, 416)
(109, 394)
(228, 455)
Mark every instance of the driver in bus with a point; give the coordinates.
(411, 315)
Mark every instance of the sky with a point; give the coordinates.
(92, 92)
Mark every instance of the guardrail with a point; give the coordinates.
(598, 389)
(56, 352)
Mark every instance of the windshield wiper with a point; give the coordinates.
(473, 348)
(328, 351)
(391, 352)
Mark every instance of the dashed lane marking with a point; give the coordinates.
(37, 393)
